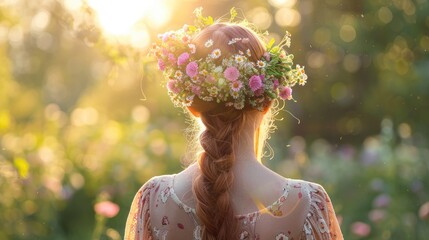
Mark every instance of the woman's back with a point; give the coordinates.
(225, 75)
(164, 208)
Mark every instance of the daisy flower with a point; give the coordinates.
(239, 105)
(236, 86)
(216, 53)
(178, 74)
(239, 59)
(248, 52)
(235, 95)
(209, 43)
(260, 64)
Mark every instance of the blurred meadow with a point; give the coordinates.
(84, 120)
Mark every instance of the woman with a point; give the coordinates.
(225, 76)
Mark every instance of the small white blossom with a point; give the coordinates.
(216, 53)
(209, 43)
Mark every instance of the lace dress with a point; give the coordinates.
(303, 211)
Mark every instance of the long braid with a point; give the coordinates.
(212, 186)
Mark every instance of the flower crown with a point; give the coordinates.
(235, 80)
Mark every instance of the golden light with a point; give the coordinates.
(286, 17)
(282, 3)
(120, 17)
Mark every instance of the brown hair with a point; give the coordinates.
(223, 124)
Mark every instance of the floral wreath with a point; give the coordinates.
(236, 80)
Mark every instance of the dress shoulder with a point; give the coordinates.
(321, 221)
(138, 224)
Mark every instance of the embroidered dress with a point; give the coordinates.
(303, 211)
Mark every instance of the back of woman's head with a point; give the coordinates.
(220, 137)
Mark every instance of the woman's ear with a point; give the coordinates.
(194, 112)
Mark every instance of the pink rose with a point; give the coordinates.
(231, 73)
(285, 93)
(255, 82)
(106, 209)
(183, 58)
(192, 69)
(172, 86)
(161, 65)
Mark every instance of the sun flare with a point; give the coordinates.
(121, 18)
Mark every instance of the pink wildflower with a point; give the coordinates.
(361, 229)
(183, 58)
(196, 90)
(259, 92)
(164, 52)
(236, 86)
(210, 79)
(161, 65)
(267, 56)
(165, 37)
(106, 209)
(171, 57)
(185, 39)
(192, 69)
(275, 83)
(231, 73)
(285, 93)
(172, 86)
(424, 211)
(255, 82)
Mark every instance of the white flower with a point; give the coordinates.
(260, 64)
(218, 69)
(209, 43)
(216, 53)
(178, 74)
(248, 52)
(239, 59)
(239, 105)
(234, 94)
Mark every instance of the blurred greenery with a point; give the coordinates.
(83, 116)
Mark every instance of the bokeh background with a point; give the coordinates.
(84, 118)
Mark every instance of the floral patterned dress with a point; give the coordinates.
(303, 211)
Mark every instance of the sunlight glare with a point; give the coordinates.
(119, 17)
